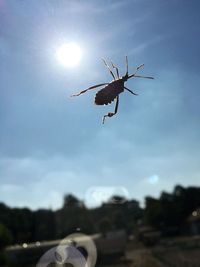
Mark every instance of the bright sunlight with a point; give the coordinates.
(69, 54)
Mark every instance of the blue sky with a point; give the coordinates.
(51, 144)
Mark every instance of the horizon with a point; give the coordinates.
(106, 201)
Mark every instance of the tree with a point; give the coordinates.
(153, 213)
(5, 236)
(105, 225)
(71, 201)
(5, 240)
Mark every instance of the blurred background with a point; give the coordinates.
(131, 184)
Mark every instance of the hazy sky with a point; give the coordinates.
(51, 144)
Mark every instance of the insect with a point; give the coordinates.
(110, 91)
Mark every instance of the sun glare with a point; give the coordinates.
(69, 54)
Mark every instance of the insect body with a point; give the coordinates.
(111, 91)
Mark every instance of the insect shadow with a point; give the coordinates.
(110, 91)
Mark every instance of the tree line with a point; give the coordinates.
(168, 214)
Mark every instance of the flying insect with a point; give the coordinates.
(110, 91)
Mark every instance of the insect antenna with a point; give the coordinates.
(139, 76)
(139, 67)
(115, 67)
(108, 68)
(126, 66)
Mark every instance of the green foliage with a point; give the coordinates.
(168, 213)
(44, 225)
(105, 225)
(153, 211)
(29, 226)
(72, 201)
(5, 236)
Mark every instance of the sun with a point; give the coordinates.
(69, 54)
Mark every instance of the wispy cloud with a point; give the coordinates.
(146, 44)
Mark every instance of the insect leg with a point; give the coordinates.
(130, 91)
(108, 68)
(90, 88)
(110, 114)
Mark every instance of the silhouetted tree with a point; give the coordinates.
(71, 201)
(5, 240)
(72, 216)
(153, 212)
(5, 236)
(44, 225)
(105, 225)
(168, 213)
